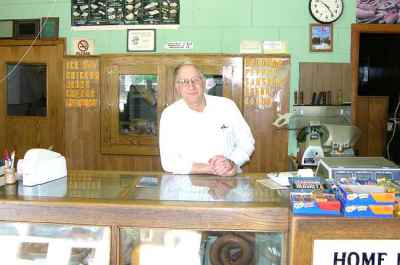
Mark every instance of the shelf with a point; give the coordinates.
(309, 105)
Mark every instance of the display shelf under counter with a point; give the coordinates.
(149, 212)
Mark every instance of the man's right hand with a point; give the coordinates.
(222, 166)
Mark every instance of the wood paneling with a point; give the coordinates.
(334, 77)
(83, 125)
(304, 230)
(371, 119)
(25, 132)
(271, 153)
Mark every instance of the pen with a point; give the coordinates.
(6, 157)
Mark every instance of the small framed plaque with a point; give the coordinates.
(141, 40)
(49, 28)
(26, 28)
(321, 37)
(6, 29)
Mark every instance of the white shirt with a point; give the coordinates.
(188, 136)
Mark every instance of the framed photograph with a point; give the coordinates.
(321, 37)
(141, 40)
(6, 29)
(49, 28)
(26, 28)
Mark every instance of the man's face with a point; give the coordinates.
(190, 85)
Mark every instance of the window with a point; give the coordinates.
(26, 89)
(138, 104)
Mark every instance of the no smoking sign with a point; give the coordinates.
(83, 46)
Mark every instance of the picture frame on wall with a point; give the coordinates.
(26, 28)
(6, 29)
(49, 27)
(141, 40)
(321, 37)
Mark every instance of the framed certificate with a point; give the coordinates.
(141, 40)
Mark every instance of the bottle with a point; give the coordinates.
(339, 97)
(301, 99)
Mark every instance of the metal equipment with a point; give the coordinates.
(371, 168)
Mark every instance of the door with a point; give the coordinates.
(31, 95)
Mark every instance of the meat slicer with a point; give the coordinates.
(321, 140)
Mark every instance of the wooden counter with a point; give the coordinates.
(113, 199)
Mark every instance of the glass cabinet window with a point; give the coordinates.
(214, 85)
(182, 247)
(26, 89)
(45, 244)
(138, 104)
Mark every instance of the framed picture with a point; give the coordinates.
(6, 29)
(141, 40)
(26, 28)
(321, 37)
(49, 28)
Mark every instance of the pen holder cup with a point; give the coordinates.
(10, 175)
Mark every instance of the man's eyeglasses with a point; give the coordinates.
(194, 81)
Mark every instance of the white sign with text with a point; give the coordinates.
(179, 45)
(83, 46)
(356, 252)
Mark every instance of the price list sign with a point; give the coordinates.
(265, 82)
(81, 82)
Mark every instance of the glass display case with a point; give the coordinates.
(47, 244)
(120, 217)
(182, 247)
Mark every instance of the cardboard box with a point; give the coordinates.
(357, 195)
(309, 204)
(373, 210)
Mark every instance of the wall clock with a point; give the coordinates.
(326, 11)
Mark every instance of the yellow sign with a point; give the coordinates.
(81, 81)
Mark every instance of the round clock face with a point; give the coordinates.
(326, 11)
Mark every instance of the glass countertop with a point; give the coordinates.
(131, 186)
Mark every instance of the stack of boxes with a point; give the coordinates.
(366, 201)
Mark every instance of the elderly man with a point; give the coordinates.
(202, 134)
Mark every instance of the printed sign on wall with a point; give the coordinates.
(81, 82)
(83, 46)
(356, 252)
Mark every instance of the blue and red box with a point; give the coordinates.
(366, 201)
(308, 203)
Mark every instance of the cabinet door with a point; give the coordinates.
(129, 100)
(223, 74)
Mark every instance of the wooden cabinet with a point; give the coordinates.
(304, 231)
(135, 90)
(332, 78)
(121, 77)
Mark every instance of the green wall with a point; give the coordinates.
(214, 26)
